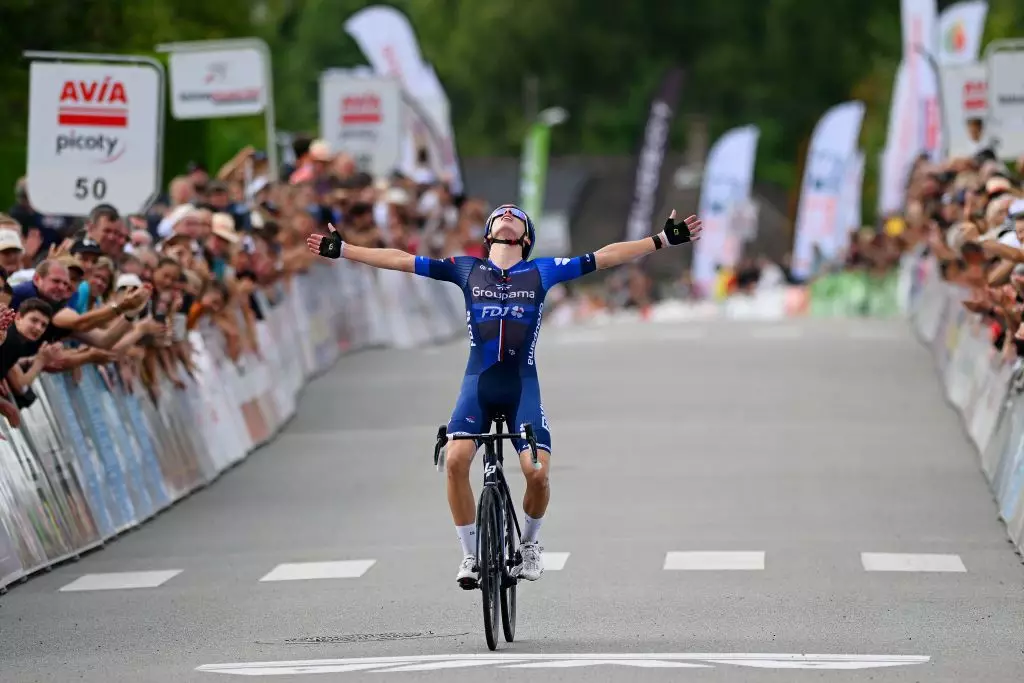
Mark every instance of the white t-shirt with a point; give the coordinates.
(1010, 240)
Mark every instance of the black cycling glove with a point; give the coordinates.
(331, 246)
(676, 233)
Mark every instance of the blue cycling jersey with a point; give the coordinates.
(504, 308)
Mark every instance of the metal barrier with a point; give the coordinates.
(984, 386)
(94, 458)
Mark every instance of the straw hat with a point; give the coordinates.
(224, 227)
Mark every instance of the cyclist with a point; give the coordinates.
(504, 303)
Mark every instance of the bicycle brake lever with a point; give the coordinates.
(442, 439)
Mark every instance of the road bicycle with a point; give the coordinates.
(497, 529)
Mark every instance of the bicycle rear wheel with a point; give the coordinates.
(508, 586)
(491, 562)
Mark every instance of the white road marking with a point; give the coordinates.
(303, 571)
(120, 581)
(561, 661)
(703, 561)
(910, 562)
(434, 666)
(639, 663)
(554, 562)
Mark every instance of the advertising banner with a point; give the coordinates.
(217, 83)
(961, 28)
(388, 41)
(728, 175)
(93, 136)
(647, 176)
(362, 115)
(920, 40)
(1006, 98)
(965, 103)
(833, 146)
(533, 170)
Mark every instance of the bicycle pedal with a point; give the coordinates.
(469, 584)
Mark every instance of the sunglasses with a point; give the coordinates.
(499, 212)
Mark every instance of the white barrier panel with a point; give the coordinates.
(984, 386)
(102, 457)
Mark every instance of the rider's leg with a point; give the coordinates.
(458, 459)
(466, 419)
(538, 489)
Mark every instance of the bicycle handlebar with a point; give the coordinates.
(525, 433)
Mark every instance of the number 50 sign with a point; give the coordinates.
(94, 134)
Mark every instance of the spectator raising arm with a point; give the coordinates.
(69, 319)
(145, 327)
(20, 379)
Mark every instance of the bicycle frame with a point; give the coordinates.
(494, 473)
(497, 544)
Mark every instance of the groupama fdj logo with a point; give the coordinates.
(92, 105)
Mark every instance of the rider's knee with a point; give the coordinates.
(458, 458)
(537, 479)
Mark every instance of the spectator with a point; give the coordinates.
(36, 227)
(11, 248)
(105, 228)
(30, 323)
(214, 254)
(52, 283)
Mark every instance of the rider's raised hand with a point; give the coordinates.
(329, 246)
(680, 233)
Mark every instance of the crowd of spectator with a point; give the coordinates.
(968, 213)
(123, 291)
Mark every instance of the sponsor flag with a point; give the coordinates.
(961, 27)
(534, 169)
(728, 175)
(922, 122)
(389, 43)
(833, 147)
(647, 177)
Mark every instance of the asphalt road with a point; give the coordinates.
(760, 461)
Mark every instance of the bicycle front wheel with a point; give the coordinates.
(491, 561)
(508, 587)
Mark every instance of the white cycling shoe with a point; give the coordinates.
(533, 563)
(469, 574)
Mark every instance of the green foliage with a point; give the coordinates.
(777, 64)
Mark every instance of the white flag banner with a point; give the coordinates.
(1006, 99)
(363, 116)
(434, 101)
(920, 33)
(850, 200)
(961, 27)
(728, 175)
(833, 146)
(900, 145)
(389, 43)
(965, 106)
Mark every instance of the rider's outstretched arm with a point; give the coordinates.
(331, 246)
(674, 233)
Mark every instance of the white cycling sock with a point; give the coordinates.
(467, 537)
(531, 528)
